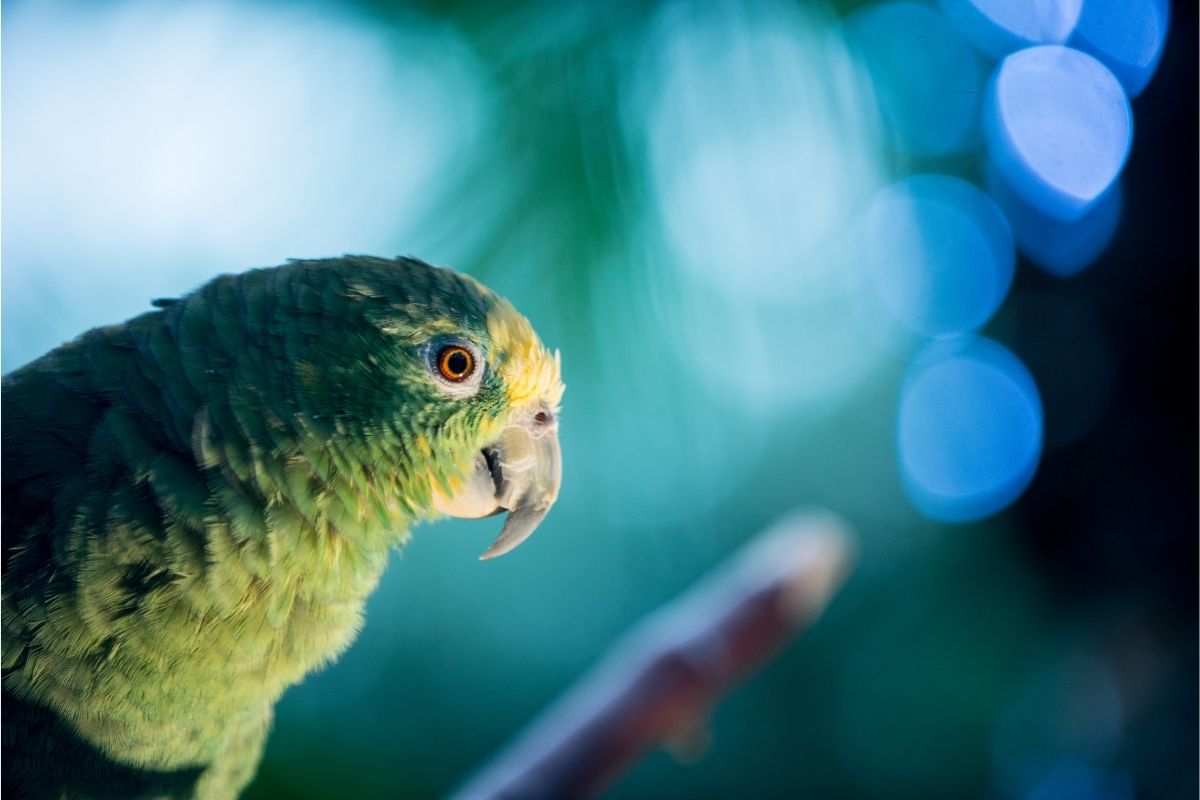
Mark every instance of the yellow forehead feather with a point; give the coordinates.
(530, 372)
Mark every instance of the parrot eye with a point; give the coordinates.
(455, 363)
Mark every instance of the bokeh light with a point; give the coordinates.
(1059, 128)
(1060, 248)
(1127, 35)
(969, 430)
(998, 27)
(755, 202)
(750, 195)
(926, 76)
(937, 253)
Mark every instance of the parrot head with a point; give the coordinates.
(519, 469)
(443, 392)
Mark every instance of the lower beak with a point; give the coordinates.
(519, 473)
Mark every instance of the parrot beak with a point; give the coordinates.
(519, 473)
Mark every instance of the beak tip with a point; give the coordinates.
(518, 526)
(493, 552)
(526, 483)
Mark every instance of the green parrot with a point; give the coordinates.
(198, 502)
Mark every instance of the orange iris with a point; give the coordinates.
(455, 363)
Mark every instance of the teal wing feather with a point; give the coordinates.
(84, 545)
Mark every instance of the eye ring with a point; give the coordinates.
(455, 363)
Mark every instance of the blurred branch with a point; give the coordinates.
(661, 680)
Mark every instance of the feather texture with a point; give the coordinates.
(197, 503)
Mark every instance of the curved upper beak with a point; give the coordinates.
(519, 473)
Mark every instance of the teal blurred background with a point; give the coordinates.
(674, 194)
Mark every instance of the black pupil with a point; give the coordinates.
(457, 363)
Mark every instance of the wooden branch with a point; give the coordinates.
(662, 679)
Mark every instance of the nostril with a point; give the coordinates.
(543, 418)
